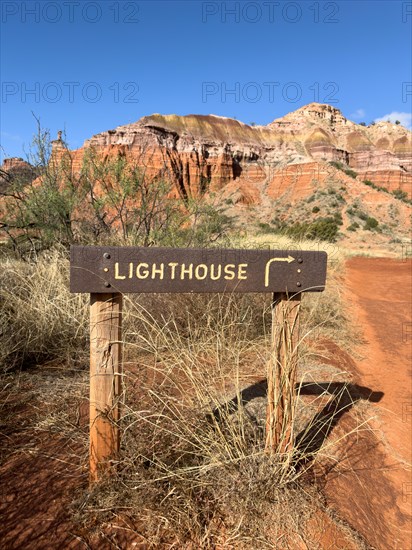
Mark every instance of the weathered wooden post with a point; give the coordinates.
(108, 272)
(282, 372)
(105, 381)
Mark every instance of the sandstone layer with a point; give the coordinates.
(207, 152)
(311, 163)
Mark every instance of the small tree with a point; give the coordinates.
(40, 212)
(111, 201)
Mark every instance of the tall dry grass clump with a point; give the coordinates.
(39, 319)
(193, 463)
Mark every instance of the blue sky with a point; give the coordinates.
(85, 67)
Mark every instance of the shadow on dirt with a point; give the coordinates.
(342, 397)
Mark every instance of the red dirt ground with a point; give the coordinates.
(374, 490)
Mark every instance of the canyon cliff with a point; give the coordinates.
(309, 164)
(206, 153)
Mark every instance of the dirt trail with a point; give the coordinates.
(375, 493)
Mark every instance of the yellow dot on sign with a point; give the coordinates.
(106, 269)
(299, 271)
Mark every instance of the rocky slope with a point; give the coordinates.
(200, 152)
(309, 164)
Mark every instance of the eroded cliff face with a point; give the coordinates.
(206, 153)
(13, 170)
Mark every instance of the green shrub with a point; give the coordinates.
(399, 194)
(371, 223)
(324, 229)
(374, 186)
(266, 228)
(315, 209)
(337, 216)
(337, 165)
(111, 201)
(347, 171)
(353, 226)
(351, 173)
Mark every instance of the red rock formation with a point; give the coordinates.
(15, 168)
(200, 152)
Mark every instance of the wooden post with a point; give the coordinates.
(105, 381)
(282, 372)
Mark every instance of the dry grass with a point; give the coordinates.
(40, 319)
(193, 472)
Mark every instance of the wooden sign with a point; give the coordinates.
(108, 272)
(98, 269)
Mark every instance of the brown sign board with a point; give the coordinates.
(103, 269)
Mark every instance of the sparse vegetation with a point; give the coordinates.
(111, 200)
(324, 229)
(362, 215)
(371, 223)
(397, 193)
(351, 173)
(401, 195)
(348, 171)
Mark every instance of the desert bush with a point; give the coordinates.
(348, 171)
(110, 201)
(265, 227)
(324, 229)
(401, 195)
(371, 223)
(337, 164)
(362, 215)
(351, 173)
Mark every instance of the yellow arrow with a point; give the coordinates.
(288, 259)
